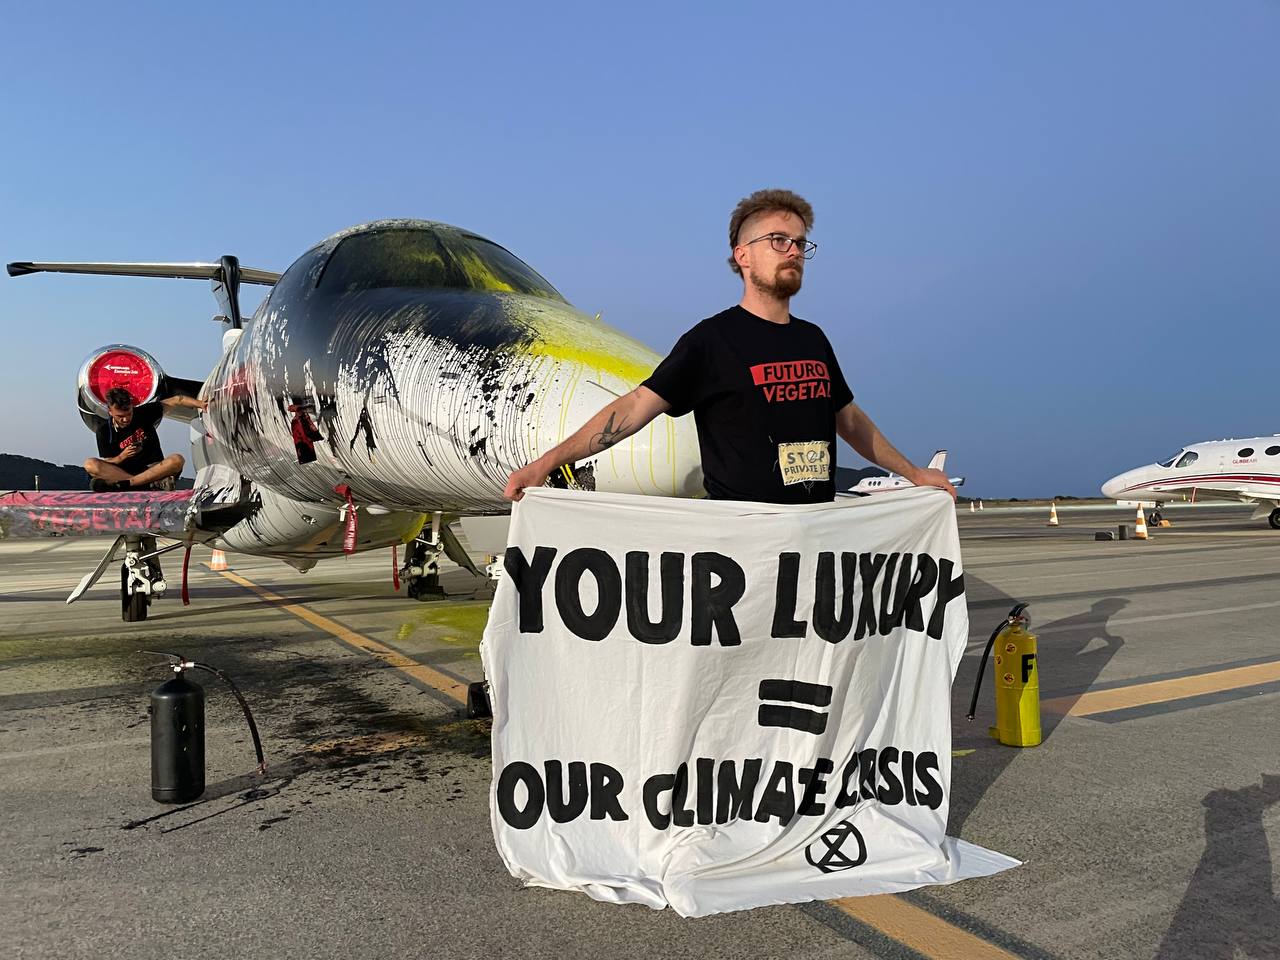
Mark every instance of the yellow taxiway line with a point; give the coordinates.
(450, 687)
(919, 929)
(1162, 691)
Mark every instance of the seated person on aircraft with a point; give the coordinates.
(129, 455)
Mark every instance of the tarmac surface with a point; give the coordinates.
(1148, 820)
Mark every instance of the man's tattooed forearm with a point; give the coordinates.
(608, 436)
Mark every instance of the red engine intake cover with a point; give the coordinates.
(122, 368)
(118, 365)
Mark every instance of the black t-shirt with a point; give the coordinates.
(141, 431)
(765, 397)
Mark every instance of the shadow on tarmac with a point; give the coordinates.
(1072, 653)
(1230, 908)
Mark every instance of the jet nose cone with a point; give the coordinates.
(1113, 487)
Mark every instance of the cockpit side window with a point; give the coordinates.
(300, 279)
(421, 259)
(1169, 462)
(493, 265)
(1188, 458)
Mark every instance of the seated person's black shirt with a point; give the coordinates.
(764, 396)
(141, 432)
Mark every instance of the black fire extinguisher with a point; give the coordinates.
(177, 732)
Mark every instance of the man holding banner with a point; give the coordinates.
(764, 387)
(719, 705)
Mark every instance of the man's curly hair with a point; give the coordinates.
(120, 398)
(766, 201)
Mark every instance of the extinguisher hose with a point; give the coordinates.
(253, 727)
(177, 663)
(1014, 615)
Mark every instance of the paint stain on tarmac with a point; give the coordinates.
(332, 726)
(458, 623)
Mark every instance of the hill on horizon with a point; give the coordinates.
(18, 473)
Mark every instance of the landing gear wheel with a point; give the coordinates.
(133, 606)
(425, 586)
(1156, 517)
(1274, 519)
(424, 589)
(478, 706)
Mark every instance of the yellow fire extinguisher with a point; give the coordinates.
(1017, 681)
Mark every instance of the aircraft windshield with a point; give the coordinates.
(418, 259)
(1188, 458)
(1169, 462)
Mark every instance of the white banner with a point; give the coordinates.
(722, 705)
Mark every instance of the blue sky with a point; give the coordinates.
(1048, 232)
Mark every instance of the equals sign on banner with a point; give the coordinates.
(791, 692)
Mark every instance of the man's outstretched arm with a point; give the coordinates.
(172, 403)
(864, 436)
(617, 421)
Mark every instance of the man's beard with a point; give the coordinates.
(785, 283)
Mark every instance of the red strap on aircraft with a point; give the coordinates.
(186, 559)
(395, 569)
(349, 534)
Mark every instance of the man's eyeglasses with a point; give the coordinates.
(781, 243)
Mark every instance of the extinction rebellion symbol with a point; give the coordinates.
(828, 853)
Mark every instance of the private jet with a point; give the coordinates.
(881, 484)
(1247, 471)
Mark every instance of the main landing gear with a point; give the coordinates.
(141, 578)
(421, 570)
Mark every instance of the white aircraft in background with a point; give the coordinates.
(1243, 470)
(894, 482)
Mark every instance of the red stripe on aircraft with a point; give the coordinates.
(1207, 478)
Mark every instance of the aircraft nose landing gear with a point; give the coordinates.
(421, 570)
(1274, 519)
(141, 578)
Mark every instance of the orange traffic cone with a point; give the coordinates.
(219, 560)
(979, 504)
(972, 508)
(1053, 514)
(1140, 526)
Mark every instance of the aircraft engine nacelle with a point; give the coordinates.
(115, 365)
(122, 365)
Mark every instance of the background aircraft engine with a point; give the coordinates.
(115, 365)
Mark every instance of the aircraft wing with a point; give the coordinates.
(28, 514)
(1211, 489)
(1249, 493)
